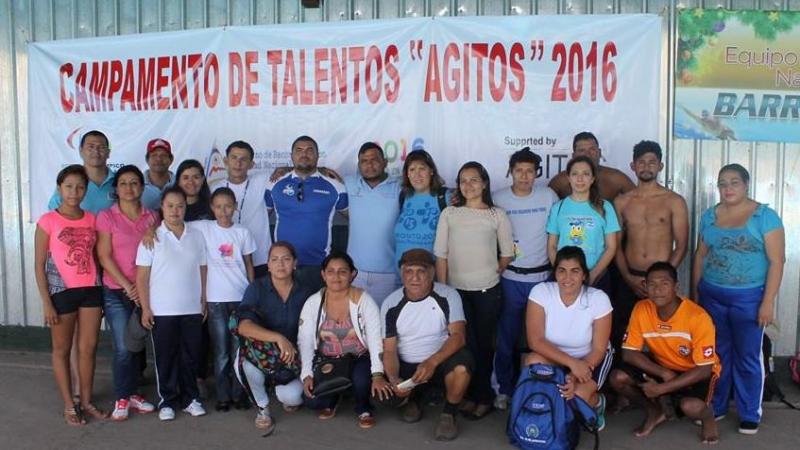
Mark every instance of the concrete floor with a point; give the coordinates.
(30, 418)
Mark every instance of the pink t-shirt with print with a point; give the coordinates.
(125, 237)
(71, 247)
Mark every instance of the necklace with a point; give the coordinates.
(240, 205)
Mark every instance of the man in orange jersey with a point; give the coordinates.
(681, 361)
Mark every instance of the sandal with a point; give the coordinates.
(72, 416)
(93, 411)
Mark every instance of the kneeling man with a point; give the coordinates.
(424, 337)
(681, 361)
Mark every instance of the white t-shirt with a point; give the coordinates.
(570, 328)
(175, 283)
(421, 326)
(225, 250)
(528, 216)
(251, 212)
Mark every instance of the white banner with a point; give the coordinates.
(464, 89)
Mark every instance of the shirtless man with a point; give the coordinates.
(655, 227)
(612, 182)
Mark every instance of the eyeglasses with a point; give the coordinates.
(300, 195)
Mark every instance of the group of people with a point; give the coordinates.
(438, 287)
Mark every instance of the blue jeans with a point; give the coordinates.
(739, 339)
(509, 328)
(118, 309)
(224, 346)
(361, 377)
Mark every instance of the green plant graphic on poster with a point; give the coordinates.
(737, 75)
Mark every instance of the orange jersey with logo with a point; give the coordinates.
(681, 343)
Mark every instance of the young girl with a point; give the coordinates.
(229, 252)
(171, 280)
(66, 275)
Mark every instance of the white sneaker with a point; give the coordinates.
(501, 402)
(142, 406)
(195, 409)
(166, 413)
(120, 410)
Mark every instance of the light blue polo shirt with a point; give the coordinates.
(373, 213)
(151, 196)
(304, 210)
(97, 198)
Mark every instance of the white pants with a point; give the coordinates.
(377, 284)
(289, 394)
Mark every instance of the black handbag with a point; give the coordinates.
(331, 373)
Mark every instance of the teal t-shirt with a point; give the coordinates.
(578, 224)
(737, 257)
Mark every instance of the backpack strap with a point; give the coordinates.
(441, 196)
(579, 406)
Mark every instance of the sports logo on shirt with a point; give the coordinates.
(226, 250)
(708, 351)
(288, 190)
(664, 326)
(683, 350)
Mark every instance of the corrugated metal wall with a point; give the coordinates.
(692, 165)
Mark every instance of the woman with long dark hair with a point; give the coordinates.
(119, 231)
(569, 324)
(585, 220)
(467, 240)
(190, 177)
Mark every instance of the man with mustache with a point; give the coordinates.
(655, 227)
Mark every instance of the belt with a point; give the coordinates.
(529, 270)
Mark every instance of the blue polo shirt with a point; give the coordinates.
(304, 210)
(373, 213)
(97, 198)
(151, 196)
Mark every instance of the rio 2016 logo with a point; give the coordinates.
(396, 151)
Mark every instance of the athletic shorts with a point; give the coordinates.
(703, 390)
(459, 358)
(69, 300)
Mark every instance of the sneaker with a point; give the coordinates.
(195, 409)
(501, 402)
(446, 429)
(412, 412)
(140, 405)
(366, 420)
(120, 410)
(601, 412)
(748, 428)
(166, 413)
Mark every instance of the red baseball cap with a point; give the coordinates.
(159, 143)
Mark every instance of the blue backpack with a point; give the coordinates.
(540, 418)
